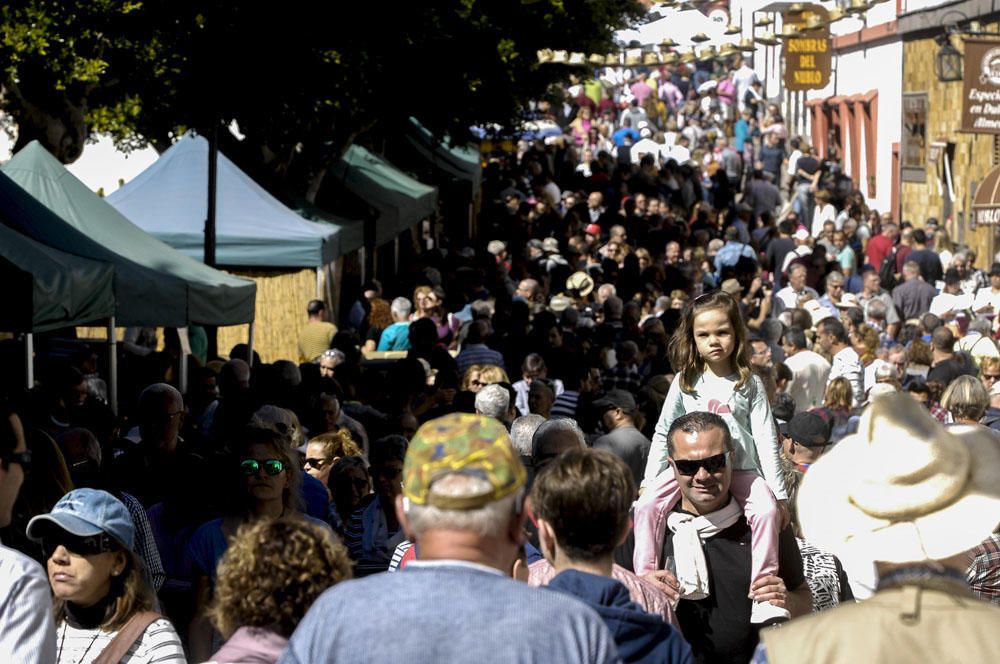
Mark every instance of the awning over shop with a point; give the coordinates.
(986, 204)
(400, 200)
(46, 289)
(253, 229)
(462, 163)
(155, 284)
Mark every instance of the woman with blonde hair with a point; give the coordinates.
(966, 399)
(325, 450)
(471, 380)
(944, 248)
(103, 605)
(837, 408)
(989, 372)
(271, 574)
(491, 374)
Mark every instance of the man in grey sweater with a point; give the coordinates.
(463, 506)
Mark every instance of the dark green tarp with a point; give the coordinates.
(401, 201)
(461, 163)
(155, 285)
(46, 289)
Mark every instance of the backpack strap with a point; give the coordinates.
(126, 637)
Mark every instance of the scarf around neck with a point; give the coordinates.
(690, 532)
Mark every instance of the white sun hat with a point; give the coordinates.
(904, 488)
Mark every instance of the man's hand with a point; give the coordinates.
(667, 582)
(786, 513)
(769, 589)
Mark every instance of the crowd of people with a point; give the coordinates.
(686, 379)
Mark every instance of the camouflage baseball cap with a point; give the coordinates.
(461, 444)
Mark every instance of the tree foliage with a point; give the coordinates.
(301, 78)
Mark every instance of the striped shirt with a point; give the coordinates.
(159, 643)
(565, 404)
(27, 633)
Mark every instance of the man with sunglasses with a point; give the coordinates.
(710, 547)
(27, 630)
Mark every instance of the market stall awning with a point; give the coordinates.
(460, 162)
(986, 204)
(156, 284)
(401, 201)
(350, 232)
(46, 289)
(253, 228)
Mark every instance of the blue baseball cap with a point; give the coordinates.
(85, 513)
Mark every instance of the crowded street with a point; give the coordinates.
(678, 345)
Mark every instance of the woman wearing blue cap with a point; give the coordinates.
(103, 604)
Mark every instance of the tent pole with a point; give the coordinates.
(362, 254)
(250, 346)
(333, 273)
(319, 283)
(182, 367)
(113, 365)
(396, 255)
(29, 358)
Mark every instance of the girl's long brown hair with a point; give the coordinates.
(684, 356)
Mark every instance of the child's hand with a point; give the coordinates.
(786, 514)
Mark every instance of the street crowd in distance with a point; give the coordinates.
(686, 398)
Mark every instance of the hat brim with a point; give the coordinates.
(832, 522)
(71, 523)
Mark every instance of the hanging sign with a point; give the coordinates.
(807, 58)
(981, 86)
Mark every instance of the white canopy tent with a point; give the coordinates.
(253, 229)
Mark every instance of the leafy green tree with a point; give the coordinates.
(301, 79)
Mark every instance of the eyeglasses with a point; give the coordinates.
(991, 377)
(252, 467)
(22, 459)
(81, 546)
(712, 464)
(316, 463)
(477, 383)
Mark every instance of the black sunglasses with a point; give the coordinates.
(271, 466)
(316, 463)
(81, 546)
(712, 464)
(22, 459)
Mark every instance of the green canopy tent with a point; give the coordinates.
(400, 201)
(459, 162)
(47, 289)
(155, 285)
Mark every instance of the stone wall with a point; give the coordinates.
(973, 156)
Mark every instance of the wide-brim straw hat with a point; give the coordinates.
(732, 29)
(746, 44)
(728, 49)
(707, 53)
(904, 488)
(688, 57)
(700, 37)
(768, 39)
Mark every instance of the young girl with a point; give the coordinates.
(710, 354)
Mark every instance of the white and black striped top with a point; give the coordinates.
(159, 643)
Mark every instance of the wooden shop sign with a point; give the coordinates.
(808, 57)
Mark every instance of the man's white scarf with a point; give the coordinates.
(690, 533)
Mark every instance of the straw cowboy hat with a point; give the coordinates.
(746, 45)
(560, 57)
(763, 21)
(688, 57)
(581, 282)
(848, 301)
(732, 29)
(768, 39)
(612, 60)
(651, 59)
(668, 43)
(814, 22)
(789, 31)
(728, 49)
(577, 59)
(545, 56)
(596, 59)
(670, 59)
(707, 53)
(904, 488)
(700, 37)
(836, 14)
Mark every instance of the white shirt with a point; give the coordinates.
(27, 630)
(987, 297)
(847, 364)
(810, 372)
